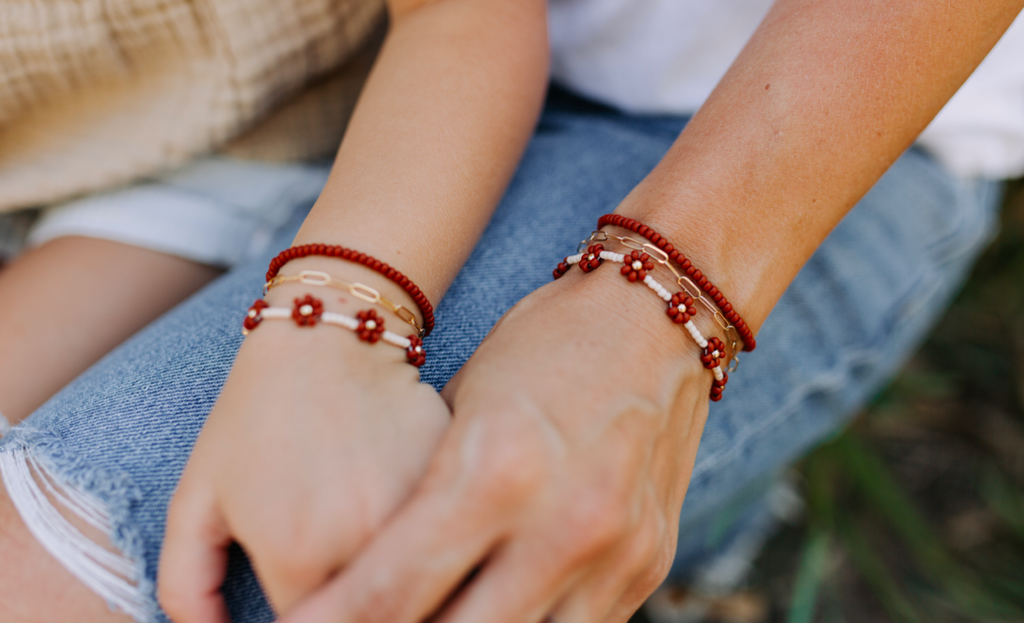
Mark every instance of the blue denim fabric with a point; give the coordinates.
(124, 429)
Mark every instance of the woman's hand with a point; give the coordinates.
(557, 489)
(316, 438)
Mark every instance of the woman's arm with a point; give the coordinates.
(301, 461)
(438, 132)
(556, 492)
(824, 97)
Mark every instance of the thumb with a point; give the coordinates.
(194, 558)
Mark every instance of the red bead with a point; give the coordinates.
(674, 255)
(306, 311)
(426, 309)
(415, 353)
(364, 331)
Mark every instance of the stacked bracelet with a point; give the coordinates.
(662, 243)
(308, 311)
(350, 255)
(636, 267)
(358, 290)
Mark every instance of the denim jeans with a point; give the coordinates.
(120, 435)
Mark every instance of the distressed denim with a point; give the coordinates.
(122, 432)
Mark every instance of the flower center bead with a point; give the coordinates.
(306, 310)
(252, 313)
(371, 325)
(637, 265)
(419, 349)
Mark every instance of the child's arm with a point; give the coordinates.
(72, 300)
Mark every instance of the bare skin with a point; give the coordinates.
(34, 587)
(823, 99)
(70, 301)
(52, 294)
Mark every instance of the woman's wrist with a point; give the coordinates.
(739, 263)
(628, 316)
(319, 299)
(340, 270)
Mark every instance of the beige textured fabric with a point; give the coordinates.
(94, 93)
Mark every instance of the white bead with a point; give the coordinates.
(574, 259)
(637, 265)
(718, 373)
(418, 349)
(397, 340)
(276, 312)
(252, 313)
(340, 320)
(371, 325)
(306, 310)
(695, 332)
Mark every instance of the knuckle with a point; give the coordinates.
(597, 520)
(657, 570)
(507, 468)
(378, 604)
(293, 559)
(175, 603)
(644, 548)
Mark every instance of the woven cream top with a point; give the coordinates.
(94, 93)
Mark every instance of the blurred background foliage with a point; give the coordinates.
(915, 514)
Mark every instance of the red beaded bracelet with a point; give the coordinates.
(635, 226)
(637, 267)
(351, 255)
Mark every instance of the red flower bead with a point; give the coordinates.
(562, 268)
(306, 311)
(718, 387)
(592, 258)
(415, 353)
(371, 326)
(635, 266)
(681, 309)
(713, 353)
(253, 318)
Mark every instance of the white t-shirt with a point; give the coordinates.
(666, 56)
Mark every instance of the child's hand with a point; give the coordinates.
(561, 479)
(315, 440)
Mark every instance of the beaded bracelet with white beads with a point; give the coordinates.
(636, 266)
(309, 310)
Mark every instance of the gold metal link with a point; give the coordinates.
(364, 292)
(632, 243)
(314, 278)
(656, 254)
(406, 315)
(684, 282)
(358, 290)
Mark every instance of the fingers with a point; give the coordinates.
(295, 553)
(194, 558)
(516, 585)
(407, 571)
(615, 589)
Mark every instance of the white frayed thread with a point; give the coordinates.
(111, 576)
(5, 426)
